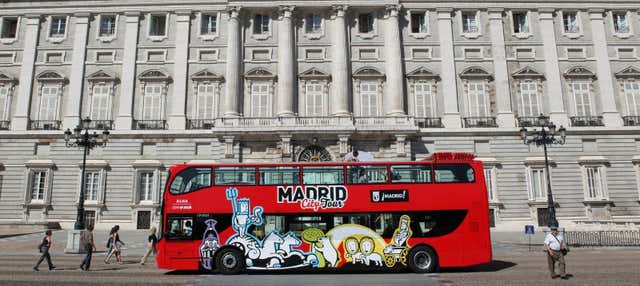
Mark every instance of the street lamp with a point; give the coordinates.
(87, 141)
(545, 136)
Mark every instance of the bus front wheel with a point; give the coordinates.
(422, 259)
(230, 261)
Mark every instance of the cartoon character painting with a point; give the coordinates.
(369, 257)
(398, 248)
(322, 247)
(210, 243)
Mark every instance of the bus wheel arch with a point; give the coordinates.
(423, 258)
(229, 260)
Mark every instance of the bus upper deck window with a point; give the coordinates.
(410, 173)
(360, 174)
(323, 175)
(279, 175)
(190, 180)
(454, 173)
(235, 176)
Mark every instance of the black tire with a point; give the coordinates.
(422, 259)
(230, 261)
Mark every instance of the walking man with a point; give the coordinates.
(554, 243)
(89, 247)
(44, 247)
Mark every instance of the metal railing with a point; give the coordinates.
(532, 121)
(4, 124)
(579, 121)
(429, 122)
(201, 123)
(44, 125)
(602, 238)
(101, 124)
(480, 122)
(631, 120)
(149, 124)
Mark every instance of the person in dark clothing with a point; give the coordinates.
(89, 247)
(44, 247)
(116, 244)
(151, 246)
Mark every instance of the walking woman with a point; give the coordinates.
(44, 247)
(151, 246)
(115, 245)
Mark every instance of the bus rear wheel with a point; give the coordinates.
(230, 261)
(422, 259)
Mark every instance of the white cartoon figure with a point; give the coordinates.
(352, 248)
(398, 248)
(270, 250)
(290, 240)
(242, 217)
(209, 244)
(367, 249)
(325, 247)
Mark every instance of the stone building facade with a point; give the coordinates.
(281, 81)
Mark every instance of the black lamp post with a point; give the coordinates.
(87, 141)
(545, 136)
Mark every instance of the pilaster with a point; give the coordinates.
(451, 117)
(286, 77)
(394, 95)
(73, 105)
(234, 63)
(553, 92)
(505, 117)
(340, 63)
(124, 121)
(177, 117)
(21, 116)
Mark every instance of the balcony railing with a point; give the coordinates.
(4, 124)
(44, 125)
(150, 124)
(532, 121)
(201, 123)
(578, 121)
(631, 120)
(429, 122)
(483, 122)
(101, 124)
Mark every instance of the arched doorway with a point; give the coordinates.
(314, 153)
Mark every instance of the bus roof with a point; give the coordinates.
(450, 156)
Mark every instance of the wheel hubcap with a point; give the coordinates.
(229, 261)
(422, 260)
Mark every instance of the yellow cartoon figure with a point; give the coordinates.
(369, 257)
(352, 249)
(398, 248)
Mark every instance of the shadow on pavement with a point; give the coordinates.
(493, 266)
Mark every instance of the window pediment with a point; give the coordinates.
(527, 72)
(476, 73)
(628, 72)
(368, 72)
(101, 76)
(260, 73)
(422, 73)
(206, 75)
(4, 79)
(579, 72)
(314, 73)
(50, 76)
(154, 75)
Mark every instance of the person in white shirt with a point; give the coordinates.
(554, 243)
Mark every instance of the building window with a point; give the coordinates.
(419, 23)
(594, 183)
(478, 99)
(146, 186)
(5, 102)
(314, 98)
(621, 23)
(571, 22)
(209, 24)
(9, 27)
(470, 22)
(157, 25)
(58, 27)
(152, 103)
(631, 95)
(520, 23)
(260, 24)
(49, 101)
(490, 181)
(38, 185)
(260, 98)
(369, 98)
(529, 99)
(101, 102)
(92, 185)
(425, 102)
(365, 23)
(107, 26)
(313, 23)
(537, 184)
(581, 91)
(205, 100)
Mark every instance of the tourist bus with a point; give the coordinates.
(420, 215)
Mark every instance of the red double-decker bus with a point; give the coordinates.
(349, 215)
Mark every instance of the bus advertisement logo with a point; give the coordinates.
(314, 197)
(389, 196)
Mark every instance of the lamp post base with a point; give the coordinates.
(73, 241)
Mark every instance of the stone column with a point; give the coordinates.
(610, 114)
(73, 104)
(451, 116)
(394, 94)
(21, 116)
(233, 77)
(553, 93)
(125, 111)
(505, 117)
(177, 117)
(341, 88)
(286, 76)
